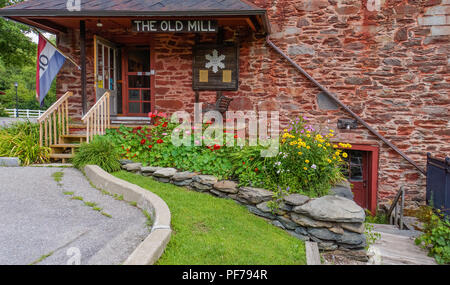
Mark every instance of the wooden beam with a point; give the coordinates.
(83, 64)
(250, 23)
(45, 25)
(312, 253)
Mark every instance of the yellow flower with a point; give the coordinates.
(300, 153)
(308, 147)
(304, 168)
(344, 155)
(319, 145)
(308, 135)
(324, 148)
(331, 135)
(331, 131)
(334, 157)
(329, 160)
(307, 161)
(335, 146)
(328, 144)
(283, 140)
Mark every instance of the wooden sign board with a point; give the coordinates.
(215, 67)
(175, 26)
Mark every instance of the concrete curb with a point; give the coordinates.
(151, 249)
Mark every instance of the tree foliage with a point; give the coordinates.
(18, 64)
(16, 48)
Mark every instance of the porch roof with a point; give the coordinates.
(30, 11)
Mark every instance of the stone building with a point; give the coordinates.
(385, 61)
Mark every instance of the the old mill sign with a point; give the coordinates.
(175, 26)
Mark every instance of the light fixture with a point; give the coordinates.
(99, 24)
(347, 124)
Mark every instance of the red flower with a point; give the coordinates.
(243, 162)
(216, 146)
(164, 125)
(235, 136)
(160, 141)
(150, 146)
(143, 141)
(256, 169)
(138, 128)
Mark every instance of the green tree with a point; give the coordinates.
(16, 48)
(18, 64)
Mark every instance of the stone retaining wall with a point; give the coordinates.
(334, 221)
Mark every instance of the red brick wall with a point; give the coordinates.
(389, 66)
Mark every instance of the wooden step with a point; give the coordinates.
(61, 155)
(65, 145)
(74, 136)
(77, 126)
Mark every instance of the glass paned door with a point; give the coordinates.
(138, 76)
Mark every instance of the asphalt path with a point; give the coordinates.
(43, 222)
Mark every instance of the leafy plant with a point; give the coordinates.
(22, 140)
(378, 218)
(99, 151)
(371, 236)
(436, 237)
(3, 112)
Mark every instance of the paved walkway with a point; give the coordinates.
(41, 223)
(397, 247)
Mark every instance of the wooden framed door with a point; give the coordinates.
(138, 81)
(362, 172)
(357, 174)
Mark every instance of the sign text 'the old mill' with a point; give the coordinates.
(175, 26)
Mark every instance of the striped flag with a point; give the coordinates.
(49, 62)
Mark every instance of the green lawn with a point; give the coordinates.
(209, 230)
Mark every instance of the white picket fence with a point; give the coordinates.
(24, 113)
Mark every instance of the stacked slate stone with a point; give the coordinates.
(333, 221)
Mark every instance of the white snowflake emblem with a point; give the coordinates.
(215, 61)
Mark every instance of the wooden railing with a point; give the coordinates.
(54, 122)
(97, 119)
(395, 213)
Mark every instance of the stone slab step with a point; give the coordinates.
(395, 249)
(394, 230)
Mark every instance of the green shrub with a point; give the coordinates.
(378, 218)
(436, 237)
(100, 151)
(22, 140)
(3, 112)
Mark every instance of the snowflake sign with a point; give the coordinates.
(215, 61)
(215, 67)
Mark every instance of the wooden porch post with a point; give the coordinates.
(83, 64)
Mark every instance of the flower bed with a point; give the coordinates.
(307, 161)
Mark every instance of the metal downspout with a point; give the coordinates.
(335, 99)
